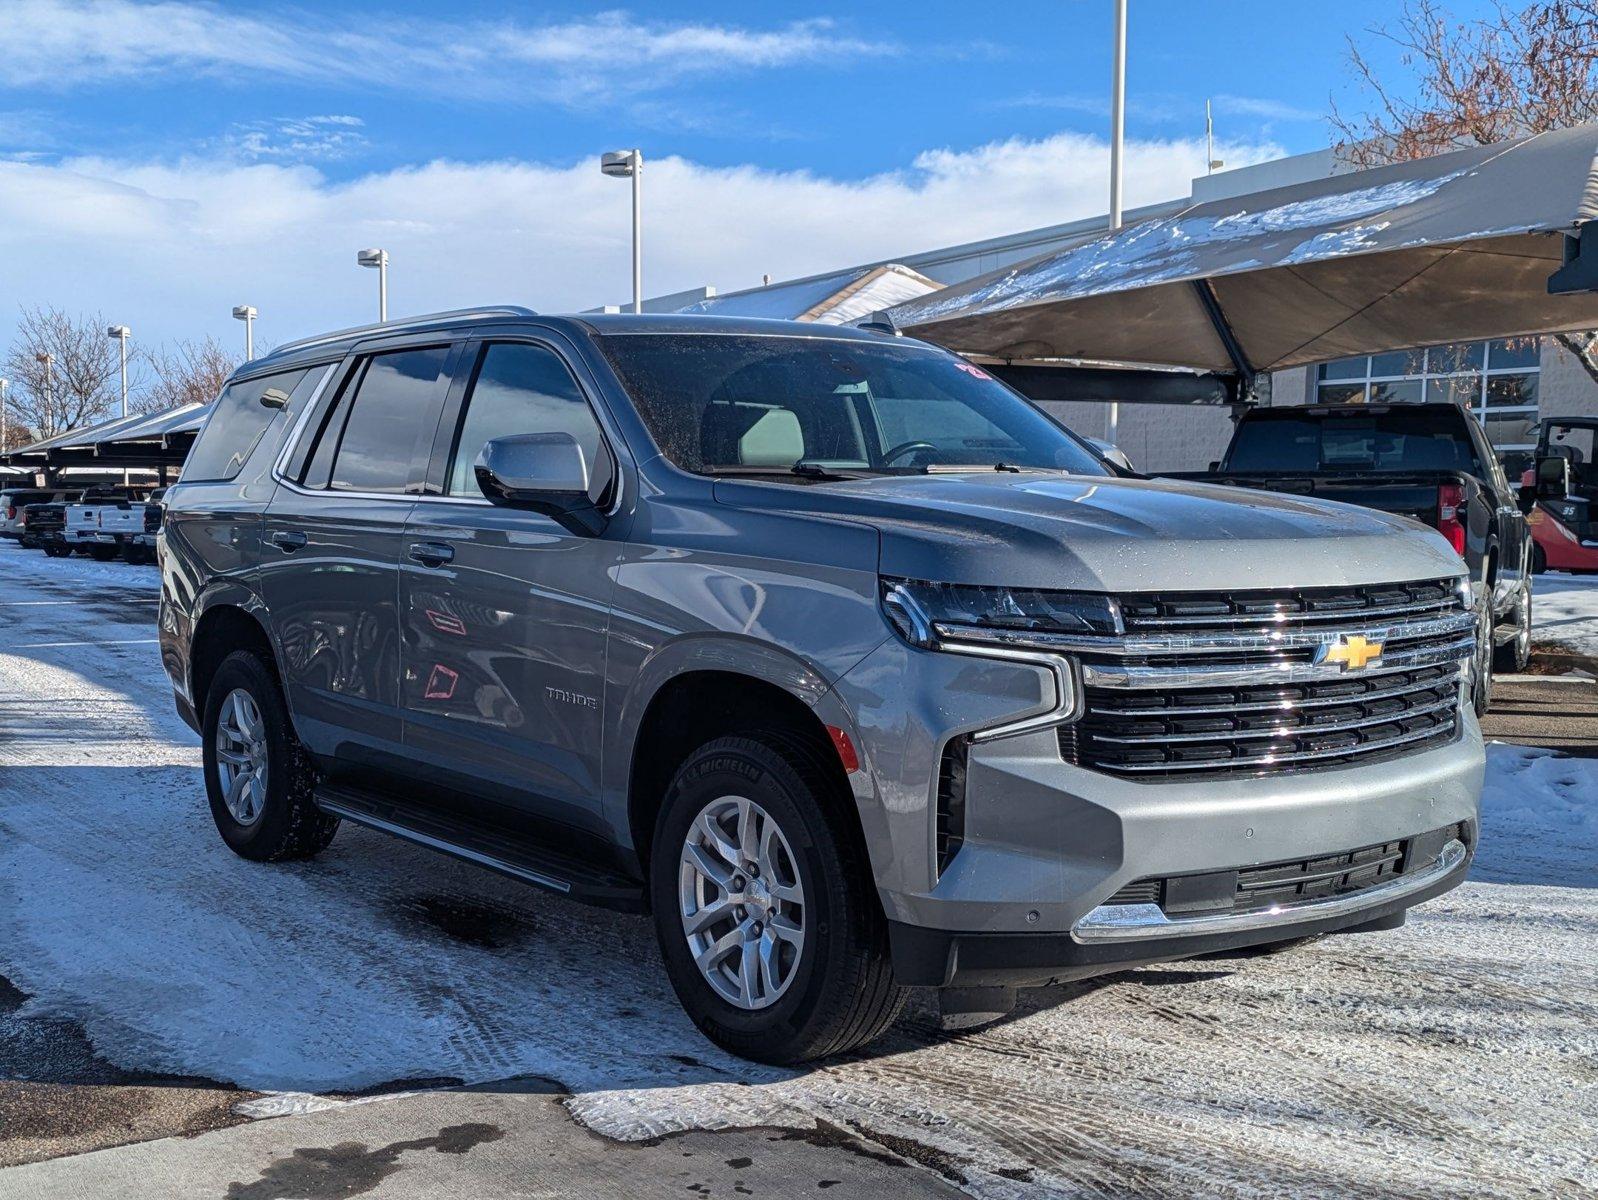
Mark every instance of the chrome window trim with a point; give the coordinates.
(1141, 922)
(298, 431)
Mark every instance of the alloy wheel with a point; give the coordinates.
(241, 756)
(742, 902)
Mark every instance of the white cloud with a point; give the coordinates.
(298, 139)
(63, 43)
(169, 248)
(1264, 108)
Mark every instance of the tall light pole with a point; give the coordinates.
(378, 259)
(1117, 113)
(121, 333)
(5, 386)
(247, 314)
(623, 164)
(1117, 135)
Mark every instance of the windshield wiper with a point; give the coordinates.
(804, 470)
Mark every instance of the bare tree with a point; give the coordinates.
(193, 371)
(1517, 72)
(83, 375)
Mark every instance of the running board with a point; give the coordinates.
(485, 846)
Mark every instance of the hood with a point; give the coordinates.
(1114, 535)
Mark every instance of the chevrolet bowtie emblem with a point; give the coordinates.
(1351, 652)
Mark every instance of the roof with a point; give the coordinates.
(836, 299)
(1456, 247)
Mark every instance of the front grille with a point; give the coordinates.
(1291, 881)
(1214, 684)
(1194, 731)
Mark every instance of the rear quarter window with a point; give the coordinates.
(236, 427)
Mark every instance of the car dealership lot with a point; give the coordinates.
(150, 973)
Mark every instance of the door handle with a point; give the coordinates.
(289, 540)
(432, 554)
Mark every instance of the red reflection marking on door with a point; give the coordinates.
(446, 623)
(441, 683)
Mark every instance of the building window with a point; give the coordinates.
(1496, 380)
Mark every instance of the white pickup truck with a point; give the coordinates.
(87, 529)
(134, 526)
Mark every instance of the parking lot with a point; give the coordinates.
(177, 1021)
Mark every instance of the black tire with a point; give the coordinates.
(1481, 689)
(1514, 656)
(102, 553)
(132, 554)
(1539, 559)
(289, 826)
(843, 993)
(56, 551)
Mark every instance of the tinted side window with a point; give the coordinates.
(235, 427)
(391, 421)
(522, 389)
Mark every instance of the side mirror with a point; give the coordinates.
(1553, 477)
(541, 472)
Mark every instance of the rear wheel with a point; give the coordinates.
(102, 553)
(258, 777)
(1514, 656)
(768, 923)
(1539, 559)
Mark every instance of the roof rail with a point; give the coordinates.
(454, 314)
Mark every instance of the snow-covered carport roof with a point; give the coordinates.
(1453, 248)
(139, 439)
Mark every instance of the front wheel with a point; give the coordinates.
(258, 777)
(1481, 691)
(767, 918)
(1514, 656)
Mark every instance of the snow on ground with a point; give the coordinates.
(1454, 1056)
(1564, 609)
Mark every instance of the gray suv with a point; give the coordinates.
(822, 646)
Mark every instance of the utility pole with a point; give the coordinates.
(5, 386)
(122, 333)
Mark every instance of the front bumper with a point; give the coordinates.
(1045, 843)
(1117, 942)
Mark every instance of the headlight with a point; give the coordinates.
(922, 611)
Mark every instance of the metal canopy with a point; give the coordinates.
(142, 439)
(1459, 247)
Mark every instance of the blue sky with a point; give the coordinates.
(158, 159)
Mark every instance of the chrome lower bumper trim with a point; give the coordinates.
(1140, 922)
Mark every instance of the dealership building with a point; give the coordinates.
(1508, 384)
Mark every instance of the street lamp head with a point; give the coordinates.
(372, 258)
(119, 331)
(620, 163)
(244, 312)
(47, 359)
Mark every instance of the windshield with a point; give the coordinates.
(1414, 439)
(732, 404)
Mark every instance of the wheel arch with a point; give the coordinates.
(228, 618)
(710, 687)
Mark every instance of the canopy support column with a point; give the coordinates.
(1205, 290)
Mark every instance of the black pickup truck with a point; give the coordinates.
(1429, 462)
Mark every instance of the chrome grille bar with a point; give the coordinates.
(1262, 674)
(1280, 731)
(1286, 616)
(1219, 643)
(1286, 703)
(1287, 759)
